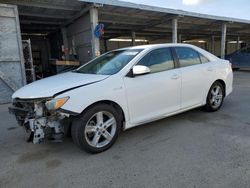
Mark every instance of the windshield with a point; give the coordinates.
(109, 63)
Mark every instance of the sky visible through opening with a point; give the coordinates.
(227, 8)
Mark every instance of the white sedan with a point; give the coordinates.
(119, 90)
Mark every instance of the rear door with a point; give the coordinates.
(197, 74)
(156, 94)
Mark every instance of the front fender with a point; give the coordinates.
(111, 89)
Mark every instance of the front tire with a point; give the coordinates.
(97, 129)
(215, 97)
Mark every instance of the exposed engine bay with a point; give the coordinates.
(39, 121)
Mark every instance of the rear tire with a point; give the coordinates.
(215, 97)
(236, 69)
(97, 129)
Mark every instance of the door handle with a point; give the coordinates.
(175, 76)
(210, 68)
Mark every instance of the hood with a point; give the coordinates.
(50, 86)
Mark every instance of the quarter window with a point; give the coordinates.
(187, 56)
(158, 60)
(203, 59)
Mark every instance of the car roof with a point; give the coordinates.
(150, 46)
(210, 56)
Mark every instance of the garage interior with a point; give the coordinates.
(43, 23)
(64, 30)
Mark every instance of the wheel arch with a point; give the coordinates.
(111, 103)
(222, 82)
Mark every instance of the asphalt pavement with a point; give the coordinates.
(192, 149)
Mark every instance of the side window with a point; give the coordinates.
(158, 60)
(187, 56)
(203, 59)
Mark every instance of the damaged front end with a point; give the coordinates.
(42, 118)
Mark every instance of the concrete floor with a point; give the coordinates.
(193, 149)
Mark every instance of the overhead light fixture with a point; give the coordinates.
(201, 41)
(127, 40)
(235, 42)
(194, 41)
(35, 34)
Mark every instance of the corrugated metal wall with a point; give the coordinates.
(12, 74)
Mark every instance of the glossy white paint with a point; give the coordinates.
(48, 87)
(152, 95)
(142, 98)
(199, 78)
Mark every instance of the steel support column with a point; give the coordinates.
(133, 36)
(238, 43)
(95, 42)
(180, 38)
(174, 30)
(223, 40)
(105, 45)
(212, 45)
(65, 42)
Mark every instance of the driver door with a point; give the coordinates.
(154, 95)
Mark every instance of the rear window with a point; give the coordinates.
(187, 56)
(203, 58)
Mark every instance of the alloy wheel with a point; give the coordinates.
(100, 129)
(216, 96)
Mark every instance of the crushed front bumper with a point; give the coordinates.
(40, 123)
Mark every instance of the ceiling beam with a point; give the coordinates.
(240, 29)
(155, 36)
(120, 22)
(162, 32)
(137, 26)
(209, 27)
(40, 22)
(37, 31)
(42, 4)
(79, 14)
(39, 28)
(129, 32)
(125, 15)
(153, 23)
(215, 27)
(55, 16)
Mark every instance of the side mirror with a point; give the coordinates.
(140, 70)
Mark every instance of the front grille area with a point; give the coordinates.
(21, 109)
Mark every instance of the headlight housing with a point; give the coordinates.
(55, 104)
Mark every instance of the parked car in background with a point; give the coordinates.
(122, 89)
(240, 58)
